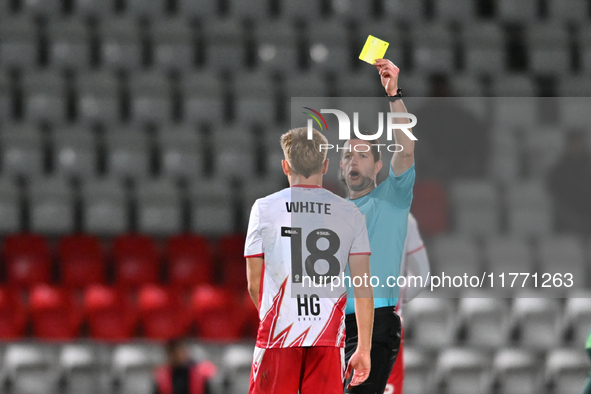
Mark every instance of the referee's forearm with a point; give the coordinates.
(364, 316)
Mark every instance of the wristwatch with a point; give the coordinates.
(397, 96)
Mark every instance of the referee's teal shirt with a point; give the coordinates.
(386, 211)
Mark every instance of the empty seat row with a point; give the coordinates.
(113, 314)
(479, 320)
(135, 260)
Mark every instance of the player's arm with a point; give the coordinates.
(254, 268)
(364, 310)
(403, 160)
(417, 264)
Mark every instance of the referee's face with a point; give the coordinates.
(358, 166)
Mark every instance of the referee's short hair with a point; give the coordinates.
(377, 154)
(304, 156)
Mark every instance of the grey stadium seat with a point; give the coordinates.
(234, 153)
(146, 8)
(120, 43)
(456, 255)
(329, 47)
(486, 319)
(584, 42)
(212, 210)
(401, 10)
(463, 371)
(538, 320)
(432, 322)
(359, 85)
(44, 96)
(225, 46)
(574, 86)
(150, 98)
(504, 164)
(31, 367)
(514, 86)
(516, 371)
(568, 10)
(433, 49)
(567, 369)
(159, 207)
(91, 7)
(5, 97)
(203, 98)
(49, 8)
(484, 48)
(75, 151)
(105, 208)
(312, 84)
(84, 368)
(51, 206)
(548, 48)
(254, 98)
(173, 44)
(127, 153)
(476, 207)
(530, 209)
(343, 9)
(22, 150)
(564, 254)
(578, 315)
(69, 44)
(462, 11)
(181, 152)
(253, 9)
(133, 366)
(517, 10)
(237, 362)
(202, 9)
(18, 42)
(544, 146)
(276, 45)
(508, 254)
(308, 10)
(98, 98)
(9, 206)
(417, 364)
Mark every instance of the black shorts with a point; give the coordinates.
(385, 344)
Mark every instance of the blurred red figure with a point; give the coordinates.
(110, 313)
(230, 252)
(216, 314)
(181, 375)
(55, 313)
(81, 260)
(136, 260)
(13, 315)
(189, 260)
(430, 206)
(162, 313)
(28, 260)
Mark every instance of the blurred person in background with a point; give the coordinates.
(181, 374)
(569, 182)
(415, 263)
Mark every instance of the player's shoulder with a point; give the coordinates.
(340, 201)
(278, 195)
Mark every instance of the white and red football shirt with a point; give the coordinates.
(303, 232)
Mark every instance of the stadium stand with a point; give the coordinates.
(125, 127)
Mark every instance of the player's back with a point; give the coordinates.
(305, 235)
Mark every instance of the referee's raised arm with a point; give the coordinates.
(403, 160)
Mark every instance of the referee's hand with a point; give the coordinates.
(360, 362)
(388, 75)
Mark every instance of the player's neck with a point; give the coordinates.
(313, 180)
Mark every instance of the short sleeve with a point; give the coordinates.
(414, 242)
(360, 243)
(254, 241)
(398, 189)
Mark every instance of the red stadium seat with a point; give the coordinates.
(162, 313)
(81, 260)
(251, 315)
(230, 252)
(54, 312)
(110, 314)
(136, 260)
(217, 314)
(28, 260)
(13, 315)
(430, 207)
(189, 260)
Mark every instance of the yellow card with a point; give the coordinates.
(373, 49)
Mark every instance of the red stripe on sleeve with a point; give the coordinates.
(355, 254)
(416, 250)
(255, 255)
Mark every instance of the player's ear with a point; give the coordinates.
(286, 168)
(378, 167)
(325, 167)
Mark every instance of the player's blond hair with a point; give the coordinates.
(304, 156)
